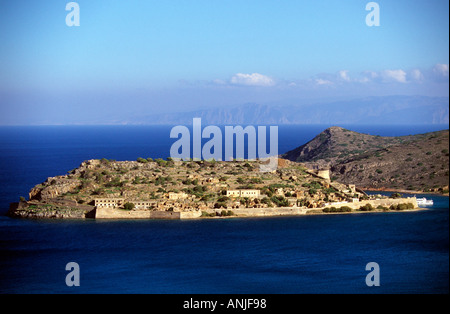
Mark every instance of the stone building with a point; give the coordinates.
(177, 196)
(244, 193)
(324, 174)
(108, 202)
(233, 193)
(144, 204)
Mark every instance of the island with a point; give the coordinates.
(175, 189)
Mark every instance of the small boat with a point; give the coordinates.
(424, 201)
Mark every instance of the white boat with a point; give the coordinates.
(424, 201)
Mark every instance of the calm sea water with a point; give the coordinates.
(314, 254)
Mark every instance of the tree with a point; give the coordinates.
(395, 195)
(367, 207)
(280, 201)
(220, 205)
(223, 199)
(128, 206)
(266, 200)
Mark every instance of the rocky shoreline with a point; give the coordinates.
(31, 210)
(57, 210)
(436, 192)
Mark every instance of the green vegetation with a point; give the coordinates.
(223, 199)
(366, 208)
(225, 213)
(384, 208)
(403, 206)
(343, 209)
(128, 206)
(266, 200)
(220, 205)
(279, 201)
(255, 180)
(197, 190)
(161, 162)
(267, 191)
(395, 195)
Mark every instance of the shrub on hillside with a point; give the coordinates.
(128, 206)
(343, 209)
(366, 208)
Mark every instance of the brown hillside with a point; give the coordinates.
(414, 162)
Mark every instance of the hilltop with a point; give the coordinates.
(414, 162)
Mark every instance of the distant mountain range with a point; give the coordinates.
(369, 110)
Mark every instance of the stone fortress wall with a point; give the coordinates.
(114, 213)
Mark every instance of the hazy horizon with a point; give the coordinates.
(132, 59)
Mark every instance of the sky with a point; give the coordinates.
(142, 56)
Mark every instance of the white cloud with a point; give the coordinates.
(343, 78)
(441, 70)
(394, 75)
(416, 75)
(254, 79)
(323, 82)
(344, 75)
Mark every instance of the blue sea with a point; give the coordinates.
(311, 254)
